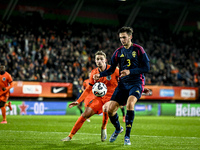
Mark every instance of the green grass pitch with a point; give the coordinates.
(45, 132)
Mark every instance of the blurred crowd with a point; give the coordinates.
(66, 54)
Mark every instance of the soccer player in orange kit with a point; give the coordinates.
(96, 103)
(5, 85)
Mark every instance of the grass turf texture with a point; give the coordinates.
(45, 132)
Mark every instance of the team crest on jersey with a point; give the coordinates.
(3, 79)
(108, 78)
(134, 54)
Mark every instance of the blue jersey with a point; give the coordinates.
(134, 59)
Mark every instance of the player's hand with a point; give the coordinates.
(73, 104)
(124, 73)
(3, 88)
(96, 77)
(146, 91)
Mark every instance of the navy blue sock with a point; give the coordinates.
(115, 121)
(129, 121)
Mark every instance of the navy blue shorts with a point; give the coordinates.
(122, 93)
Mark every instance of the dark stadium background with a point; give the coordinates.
(167, 29)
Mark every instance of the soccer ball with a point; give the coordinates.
(99, 89)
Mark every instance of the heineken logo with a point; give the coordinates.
(187, 110)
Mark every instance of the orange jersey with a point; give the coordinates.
(85, 83)
(5, 81)
(110, 81)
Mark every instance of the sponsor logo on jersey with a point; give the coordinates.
(134, 54)
(108, 77)
(122, 55)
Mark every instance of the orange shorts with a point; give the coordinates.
(86, 101)
(4, 98)
(97, 104)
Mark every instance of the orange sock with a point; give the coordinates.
(3, 110)
(77, 126)
(105, 120)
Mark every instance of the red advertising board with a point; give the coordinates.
(41, 89)
(65, 90)
(171, 93)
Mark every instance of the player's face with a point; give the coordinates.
(100, 61)
(125, 38)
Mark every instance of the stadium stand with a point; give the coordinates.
(49, 54)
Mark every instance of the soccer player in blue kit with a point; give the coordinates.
(133, 63)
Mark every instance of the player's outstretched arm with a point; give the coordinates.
(73, 104)
(84, 94)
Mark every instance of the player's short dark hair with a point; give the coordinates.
(128, 30)
(100, 53)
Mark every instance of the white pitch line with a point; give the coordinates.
(150, 136)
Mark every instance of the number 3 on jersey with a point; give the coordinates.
(129, 62)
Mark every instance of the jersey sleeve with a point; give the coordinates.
(84, 84)
(84, 94)
(91, 80)
(144, 64)
(114, 62)
(9, 78)
(10, 83)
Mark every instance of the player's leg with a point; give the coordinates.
(88, 119)
(123, 112)
(134, 94)
(113, 107)
(86, 102)
(9, 105)
(86, 114)
(129, 118)
(105, 115)
(112, 112)
(94, 107)
(104, 122)
(3, 111)
(3, 100)
(114, 104)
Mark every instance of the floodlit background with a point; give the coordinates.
(49, 47)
